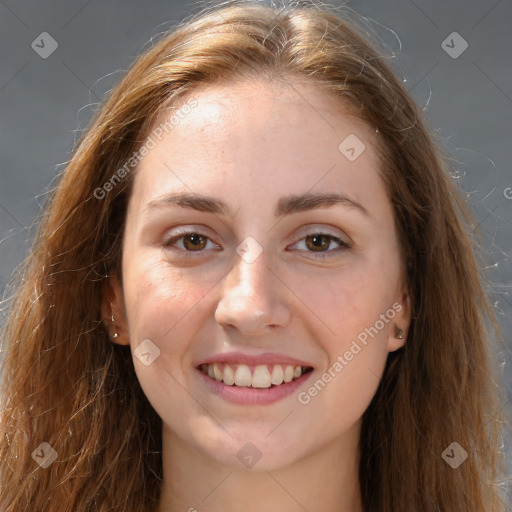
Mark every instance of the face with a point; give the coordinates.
(287, 268)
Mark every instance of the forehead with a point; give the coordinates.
(271, 137)
(226, 107)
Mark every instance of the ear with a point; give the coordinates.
(113, 312)
(401, 322)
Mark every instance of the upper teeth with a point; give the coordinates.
(261, 377)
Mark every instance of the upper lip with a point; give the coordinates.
(253, 360)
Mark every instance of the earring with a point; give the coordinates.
(113, 321)
(399, 333)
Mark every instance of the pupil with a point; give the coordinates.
(317, 241)
(193, 240)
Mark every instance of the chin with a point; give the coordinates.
(254, 452)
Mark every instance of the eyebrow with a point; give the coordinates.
(285, 206)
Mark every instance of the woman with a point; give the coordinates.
(252, 289)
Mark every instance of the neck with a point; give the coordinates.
(325, 480)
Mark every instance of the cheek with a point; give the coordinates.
(159, 298)
(350, 298)
(355, 303)
(341, 391)
(163, 305)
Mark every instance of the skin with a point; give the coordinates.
(248, 144)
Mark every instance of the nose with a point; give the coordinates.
(253, 299)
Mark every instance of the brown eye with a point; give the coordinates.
(318, 242)
(194, 242)
(189, 243)
(322, 244)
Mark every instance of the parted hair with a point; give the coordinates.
(64, 381)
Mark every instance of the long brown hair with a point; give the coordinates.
(66, 384)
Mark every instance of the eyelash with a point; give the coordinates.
(190, 254)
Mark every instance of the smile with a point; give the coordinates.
(261, 376)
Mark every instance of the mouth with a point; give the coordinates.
(263, 376)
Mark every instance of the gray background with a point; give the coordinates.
(45, 103)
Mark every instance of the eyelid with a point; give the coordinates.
(343, 244)
(181, 233)
(334, 232)
(186, 231)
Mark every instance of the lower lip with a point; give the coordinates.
(252, 396)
